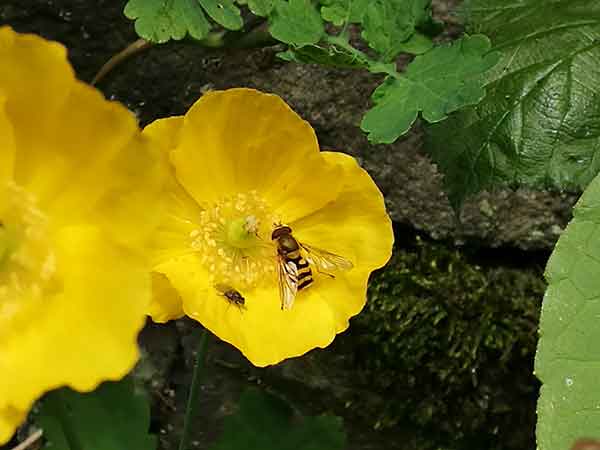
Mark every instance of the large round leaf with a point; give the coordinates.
(568, 356)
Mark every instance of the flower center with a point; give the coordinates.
(27, 264)
(233, 240)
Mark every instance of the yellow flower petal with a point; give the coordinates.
(242, 140)
(355, 225)
(70, 120)
(7, 145)
(231, 143)
(202, 301)
(166, 302)
(10, 419)
(93, 159)
(33, 61)
(268, 335)
(179, 219)
(165, 133)
(68, 324)
(261, 330)
(171, 239)
(84, 334)
(77, 210)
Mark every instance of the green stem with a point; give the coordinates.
(214, 39)
(341, 40)
(192, 401)
(256, 38)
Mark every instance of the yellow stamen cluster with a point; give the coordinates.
(27, 263)
(233, 240)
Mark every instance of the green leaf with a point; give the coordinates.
(417, 44)
(325, 56)
(539, 124)
(296, 22)
(567, 360)
(387, 24)
(430, 26)
(261, 7)
(264, 422)
(113, 417)
(436, 83)
(340, 12)
(193, 18)
(224, 12)
(161, 20)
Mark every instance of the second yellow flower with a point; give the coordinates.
(242, 164)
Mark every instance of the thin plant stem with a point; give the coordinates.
(374, 66)
(191, 409)
(256, 36)
(31, 439)
(130, 50)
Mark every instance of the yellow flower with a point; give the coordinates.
(76, 179)
(243, 161)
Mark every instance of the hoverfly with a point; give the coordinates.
(294, 264)
(232, 296)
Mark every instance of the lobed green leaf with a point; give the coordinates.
(156, 20)
(435, 84)
(261, 7)
(296, 22)
(417, 44)
(113, 417)
(193, 18)
(567, 360)
(388, 24)
(539, 124)
(340, 12)
(224, 12)
(162, 20)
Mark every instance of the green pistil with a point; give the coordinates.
(239, 234)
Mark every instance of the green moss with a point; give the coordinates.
(451, 344)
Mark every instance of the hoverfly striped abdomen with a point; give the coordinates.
(294, 271)
(304, 273)
(294, 264)
(288, 250)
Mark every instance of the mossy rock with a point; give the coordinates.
(450, 343)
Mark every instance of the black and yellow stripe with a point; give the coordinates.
(304, 273)
(289, 252)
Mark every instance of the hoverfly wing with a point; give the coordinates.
(326, 261)
(288, 282)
